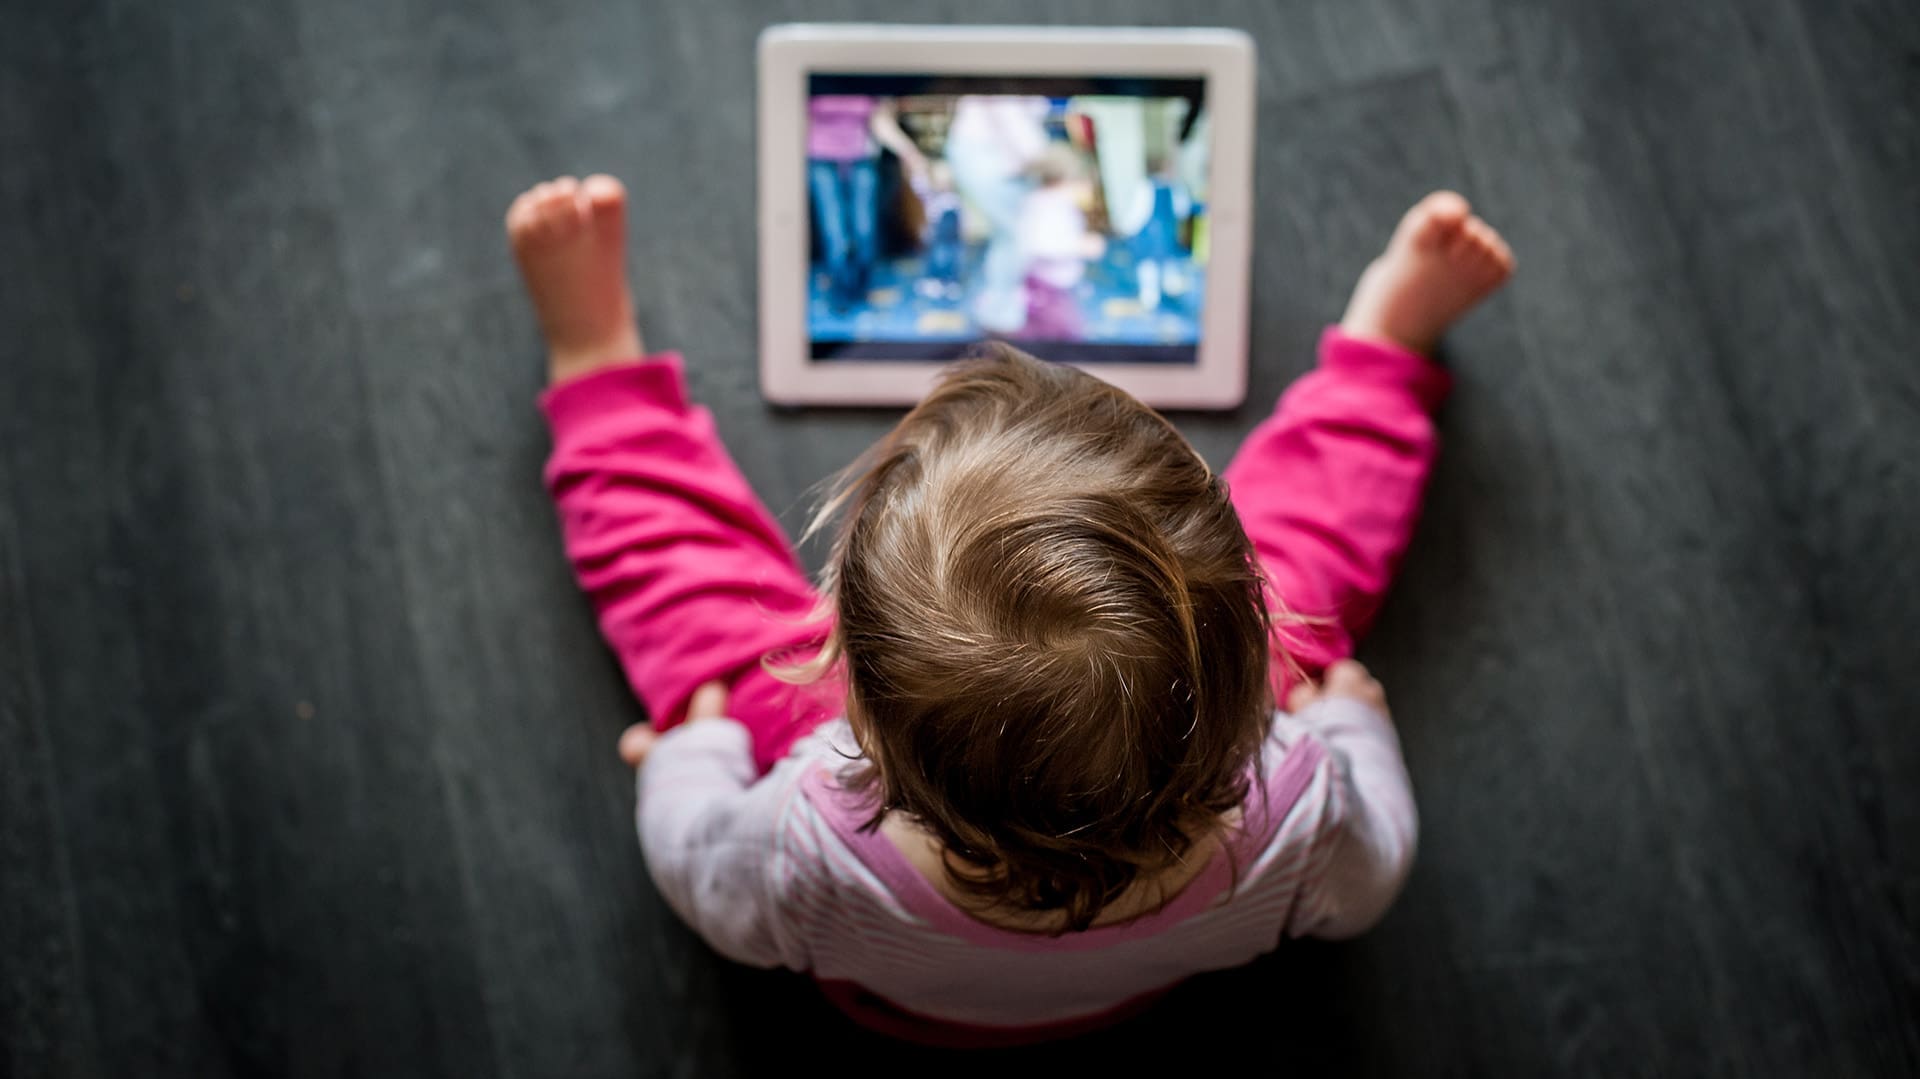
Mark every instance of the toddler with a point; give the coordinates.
(1056, 244)
(1023, 769)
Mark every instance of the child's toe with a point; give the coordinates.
(558, 212)
(606, 204)
(605, 192)
(1449, 208)
(1435, 220)
(1461, 245)
(1492, 250)
(519, 212)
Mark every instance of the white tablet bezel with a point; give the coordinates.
(789, 53)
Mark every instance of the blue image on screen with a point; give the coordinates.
(1067, 213)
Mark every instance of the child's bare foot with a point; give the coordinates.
(1441, 261)
(569, 237)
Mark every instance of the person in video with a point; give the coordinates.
(845, 133)
(1055, 243)
(991, 143)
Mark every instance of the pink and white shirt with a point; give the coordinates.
(776, 871)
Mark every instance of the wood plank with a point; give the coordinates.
(1705, 584)
(258, 850)
(44, 1008)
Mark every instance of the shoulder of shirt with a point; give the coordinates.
(802, 834)
(1299, 823)
(830, 747)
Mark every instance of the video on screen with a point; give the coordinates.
(1066, 215)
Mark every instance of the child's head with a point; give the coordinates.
(1056, 165)
(1053, 633)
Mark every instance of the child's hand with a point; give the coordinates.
(709, 702)
(1347, 678)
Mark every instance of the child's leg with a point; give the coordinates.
(1000, 306)
(829, 217)
(863, 206)
(689, 574)
(1053, 314)
(1329, 488)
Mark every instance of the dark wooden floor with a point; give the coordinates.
(305, 735)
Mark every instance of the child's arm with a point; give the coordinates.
(710, 834)
(1329, 491)
(884, 124)
(1368, 828)
(691, 577)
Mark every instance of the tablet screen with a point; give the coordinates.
(1067, 215)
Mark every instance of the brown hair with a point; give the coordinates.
(1053, 634)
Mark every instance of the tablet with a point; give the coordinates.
(1082, 194)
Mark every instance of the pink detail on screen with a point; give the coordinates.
(837, 127)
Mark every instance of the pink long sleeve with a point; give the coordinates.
(1329, 490)
(691, 577)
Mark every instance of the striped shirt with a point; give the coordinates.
(777, 871)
